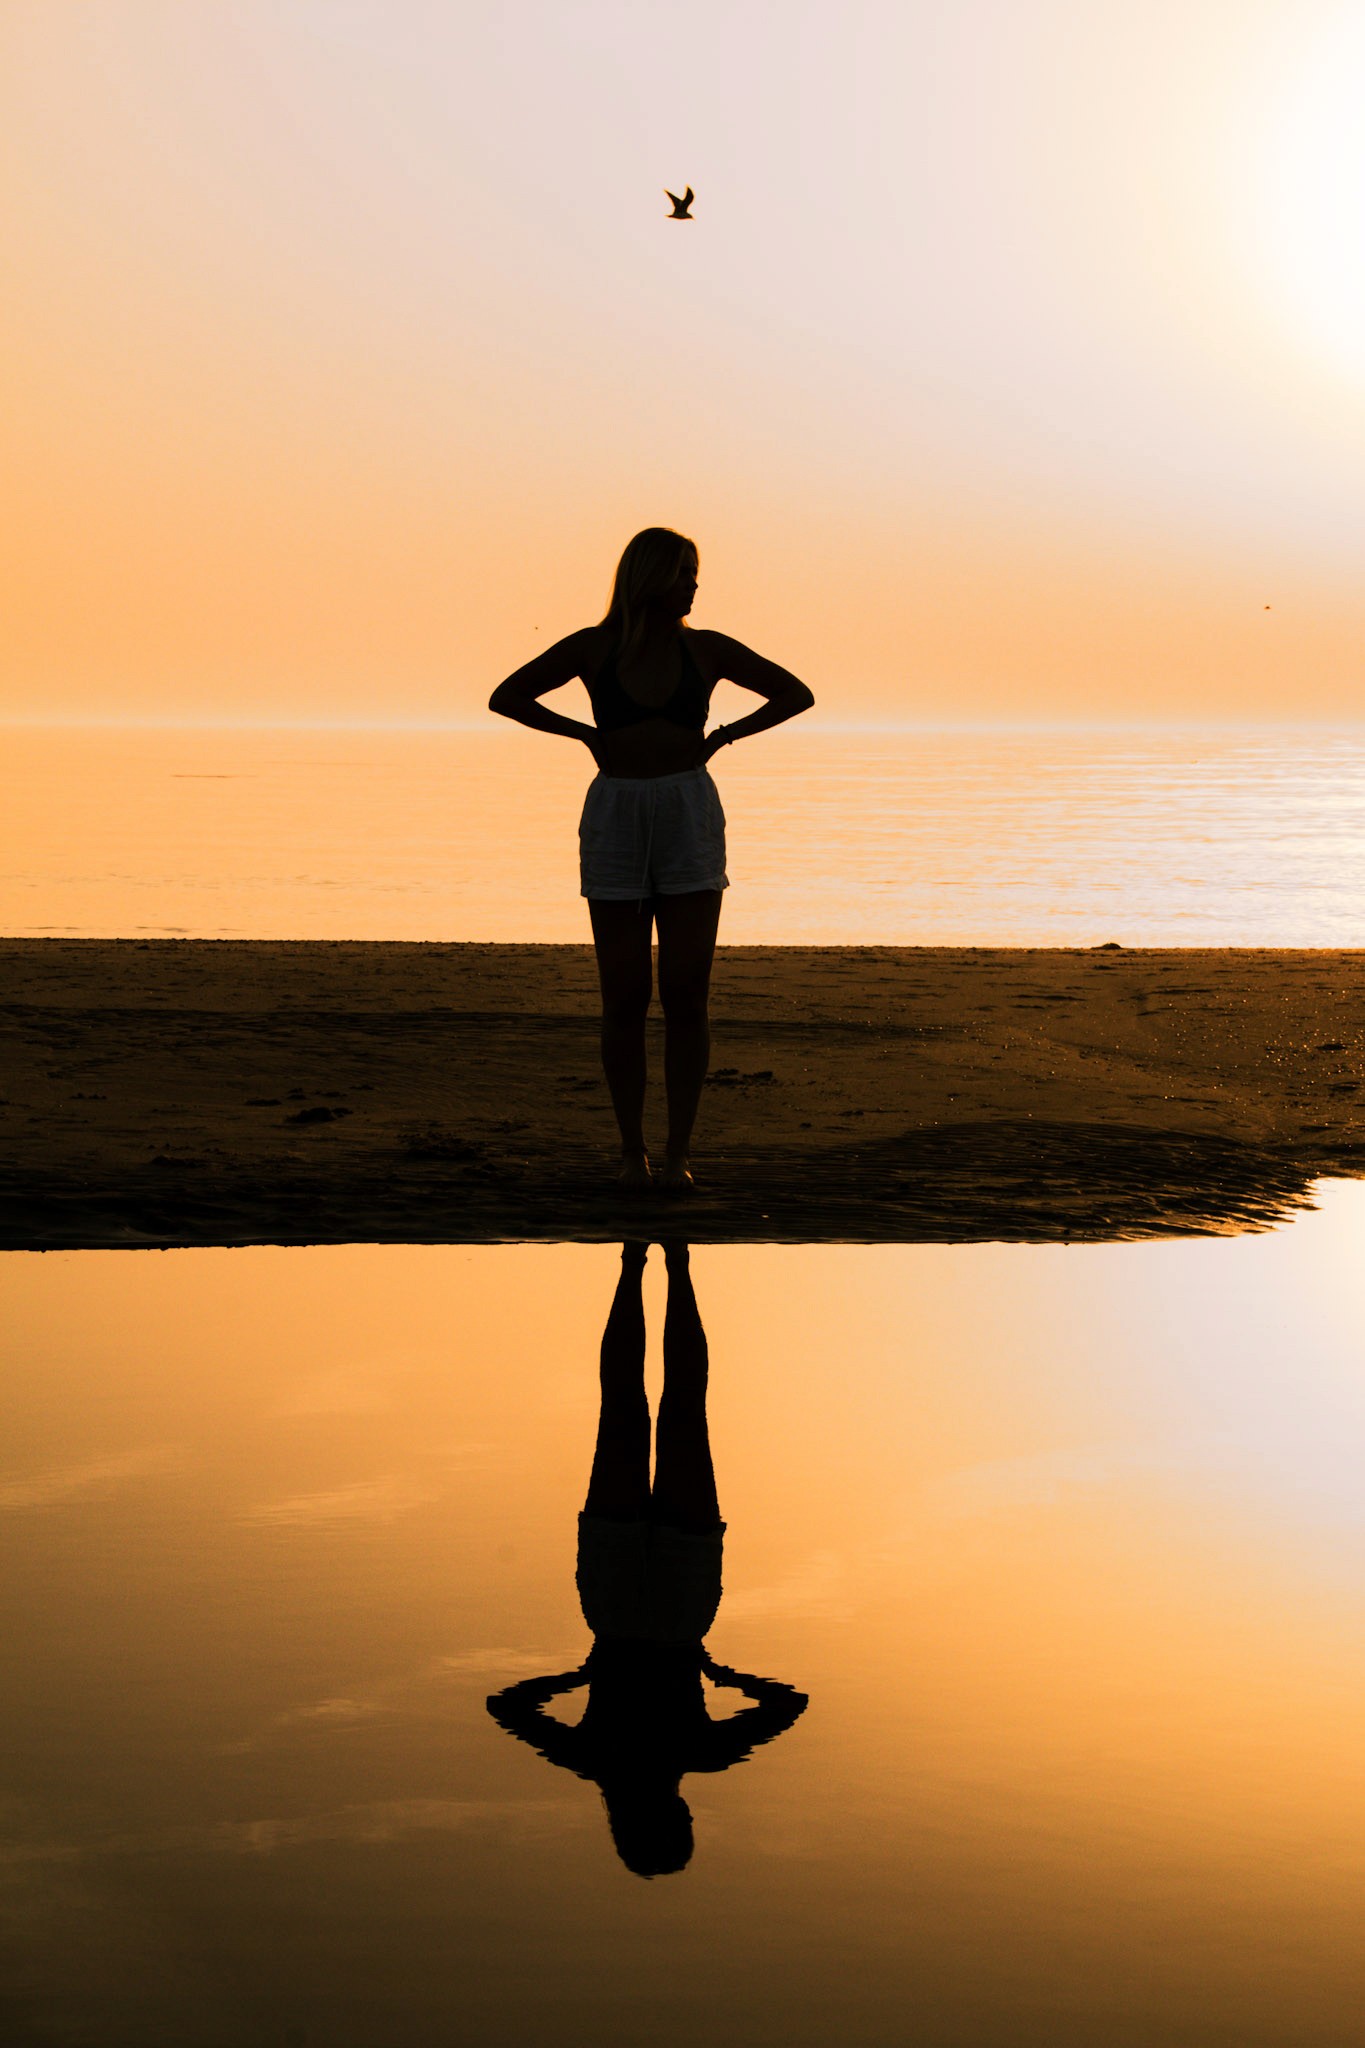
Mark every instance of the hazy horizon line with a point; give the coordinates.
(490, 727)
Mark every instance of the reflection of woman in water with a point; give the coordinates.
(652, 836)
(649, 1579)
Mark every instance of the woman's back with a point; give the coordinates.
(650, 709)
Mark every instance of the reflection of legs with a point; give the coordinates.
(687, 944)
(684, 1479)
(621, 934)
(619, 1486)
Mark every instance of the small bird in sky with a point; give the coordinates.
(680, 206)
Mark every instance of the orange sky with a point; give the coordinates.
(1010, 367)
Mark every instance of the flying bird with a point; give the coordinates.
(680, 206)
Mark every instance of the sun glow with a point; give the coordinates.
(1009, 348)
(1316, 200)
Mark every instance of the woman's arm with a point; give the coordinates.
(777, 1707)
(786, 694)
(519, 696)
(520, 1709)
(747, 1682)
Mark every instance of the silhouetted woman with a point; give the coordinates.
(652, 836)
(649, 1564)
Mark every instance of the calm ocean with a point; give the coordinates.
(1038, 836)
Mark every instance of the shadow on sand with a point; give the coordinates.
(1027, 1181)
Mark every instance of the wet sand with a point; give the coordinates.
(223, 1092)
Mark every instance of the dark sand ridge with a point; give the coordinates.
(222, 1092)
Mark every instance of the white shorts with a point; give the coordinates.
(656, 835)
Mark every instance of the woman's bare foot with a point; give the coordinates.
(634, 1171)
(675, 1177)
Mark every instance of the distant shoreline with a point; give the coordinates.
(221, 1091)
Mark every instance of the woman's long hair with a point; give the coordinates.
(650, 565)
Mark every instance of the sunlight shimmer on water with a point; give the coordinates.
(1045, 836)
(1062, 1546)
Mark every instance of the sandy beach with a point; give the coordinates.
(221, 1092)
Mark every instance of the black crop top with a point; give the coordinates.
(614, 708)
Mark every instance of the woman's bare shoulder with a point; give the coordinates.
(580, 653)
(594, 645)
(577, 654)
(731, 661)
(725, 656)
(710, 650)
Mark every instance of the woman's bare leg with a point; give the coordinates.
(687, 944)
(619, 1485)
(684, 1478)
(621, 935)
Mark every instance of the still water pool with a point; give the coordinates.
(1052, 1559)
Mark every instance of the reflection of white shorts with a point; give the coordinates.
(656, 835)
(646, 1582)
